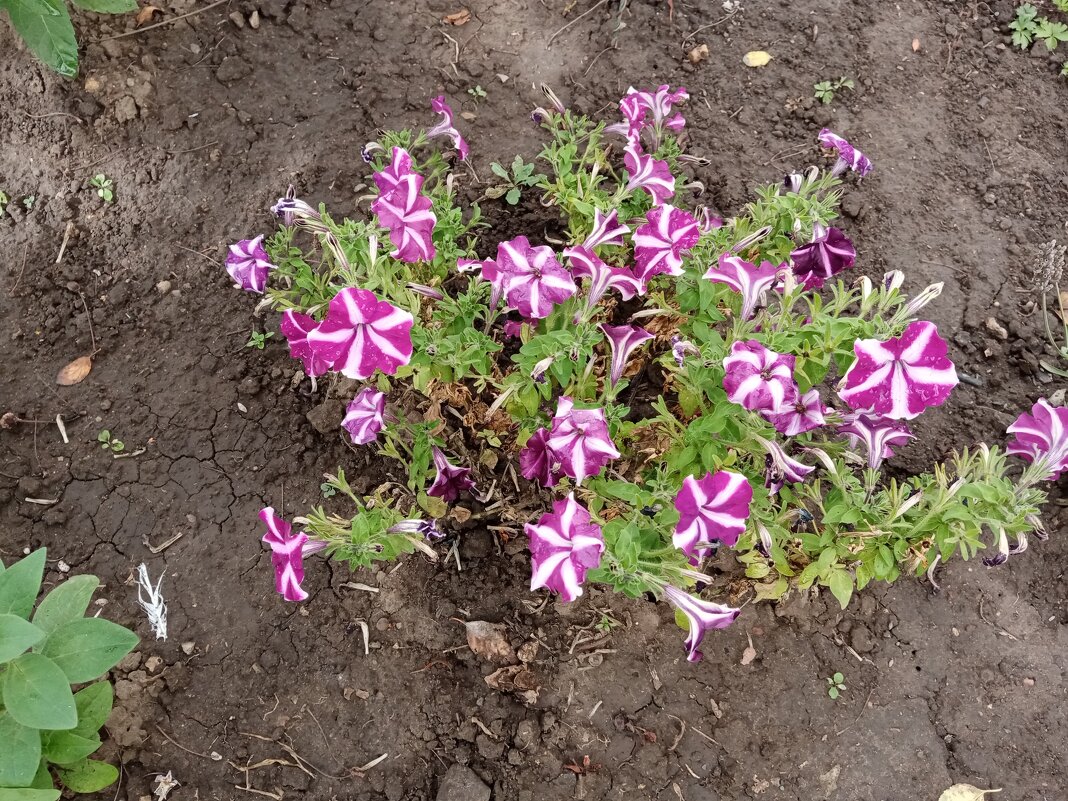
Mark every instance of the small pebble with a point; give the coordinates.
(1029, 682)
(188, 647)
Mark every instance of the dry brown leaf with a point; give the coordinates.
(75, 372)
(460, 514)
(470, 116)
(489, 641)
(461, 17)
(528, 651)
(698, 54)
(965, 792)
(145, 15)
(749, 654)
(513, 678)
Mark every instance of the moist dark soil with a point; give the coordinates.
(203, 123)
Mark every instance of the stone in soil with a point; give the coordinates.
(460, 783)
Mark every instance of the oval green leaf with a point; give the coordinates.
(37, 693)
(66, 602)
(28, 795)
(107, 6)
(47, 30)
(16, 635)
(87, 648)
(67, 748)
(20, 754)
(94, 706)
(88, 776)
(20, 583)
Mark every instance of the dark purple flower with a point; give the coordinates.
(365, 416)
(806, 413)
(287, 554)
(759, 379)
(537, 462)
(748, 280)
(296, 327)
(450, 480)
(534, 282)
(712, 508)
(623, 339)
(848, 156)
(661, 241)
(405, 211)
(563, 546)
(362, 334)
(426, 528)
(779, 468)
(681, 348)
(607, 230)
(1042, 438)
(878, 434)
(248, 265)
(701, 616)
(399, 168)
(447, 127)
(580, 440)
(601, 277)
(829, 253)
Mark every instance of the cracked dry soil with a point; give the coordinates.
(203, 123)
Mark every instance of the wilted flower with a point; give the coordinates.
(362, 334)
(748, 280)
(450, 480)
(580, 440)
(901, 377)
(534, 281)
(893, 280)
(425, 291)
(296, 327)
(400, 167)
(513, 328)
(848, 156)
(652, 175)
(660, 242)
(880, 435)
(607, 230)
(793, 181)
(779, 468)
(426, 528)
(405, 211)
(1042, 438)
(623, 339)
(712, 508)
(680, 348)
(806, 413)
(707, 220)
(829, 253)
(248, 265)
(701, 615)
(759, 379)
(917, 302)
(537, 462)
(563, 546)
(602, 277)
(365, 416)
(292, 209)
(637, 107)
(287, 554)
(446, 127)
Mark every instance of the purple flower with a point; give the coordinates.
(1042, 437)
(400, 167)
(848, 156)
(660, 242)
(446, 127)
(759, 379)
(712, 508)
(287, 554)
(513, 328)
(602, 277)
(901, 377)
(779, 468)
(878, 434)
(680, 348)
(362, 334)
(652, 175)
(426, 528)
(829, 253)
(607, 230)
(534, 280)
(537, 462)
(623, 339)
(580, 440)
(701, 616)
(405, 211)
(563, 546)
(638, 106)
(365, 416)
(748, 280)
(292, 209)
(707, 220)
(247, 264)
(806, 413)
(450, 480)
(296, 327)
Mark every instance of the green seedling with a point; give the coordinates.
(522, 175)
(835, 686)
(327, 489)
(28, 201)
(257, 340)
(1064, 69)
(103, 186)
(1023, 27)
(109, 443)
(477, 92)
(4, 200)
(825, 90)
(1051, 33)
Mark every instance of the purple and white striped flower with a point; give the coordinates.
(601, 276)
(534, 282)
(652, 175)
(287, 554)
(428, 529)
(902, 376)
(488, 271)
(362, 334)
(681, 348)
(701, 616)
(780, 468)
(405, 211)
(248, 265)
(400, 167)
(829, 253)
(446, 127)
(1042, 438)
(623, 339)
(563, 546)
(538, 462)
(607, 230)
(712, 508)
(296, 327)
(759, 379)
(365, 416)
(637, 106)
(580, 440)
(450, 480)
(292, 209)
(748, 280)
(848, 156)
(661, 241)
(879, 435)
(806, 413)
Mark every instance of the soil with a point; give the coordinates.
(203, 123)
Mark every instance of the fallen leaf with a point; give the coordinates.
(749, 654)
(470, 116)
(756, 58)
(460, 514)
(145, 15)
(964, 792)
(698, 54)
(75, 372)
(461, 17)
(488, 640)
(915, 45)
(528, 651)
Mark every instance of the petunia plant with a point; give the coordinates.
(640, 386)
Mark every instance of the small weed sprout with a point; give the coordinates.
(835, 686)
(1051, 33)
(1062, 5)
(109, 443)
(104, 187)
(1023, 26)
(825, 90)
(327, 489)
(1048, 279)
(522, 175)
(477, 92)
(4, 200)
(151, 600)
(257, 339)
(1064, 69)
(28, 202)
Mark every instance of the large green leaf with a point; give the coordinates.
(47, 31)
(87, 648)
(87, 776)
(66, 747)
(20, 752)
(16, 635)
(66, 602)
(107, 6)
(21, 582)
(37, 693)
(28, 795)
(94, 706)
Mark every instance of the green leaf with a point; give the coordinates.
(16, 635)
(37, 694)
(28, 795)
(107, 6)
(841, 584)
(66, 747)
(20, 583)
(66, 602)
(833, 693)
(513, 196)
(42, 780)
(499, 171)
(94, 707)
(47, 31)
(88, 776)
(20, 754)
(89, 647)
